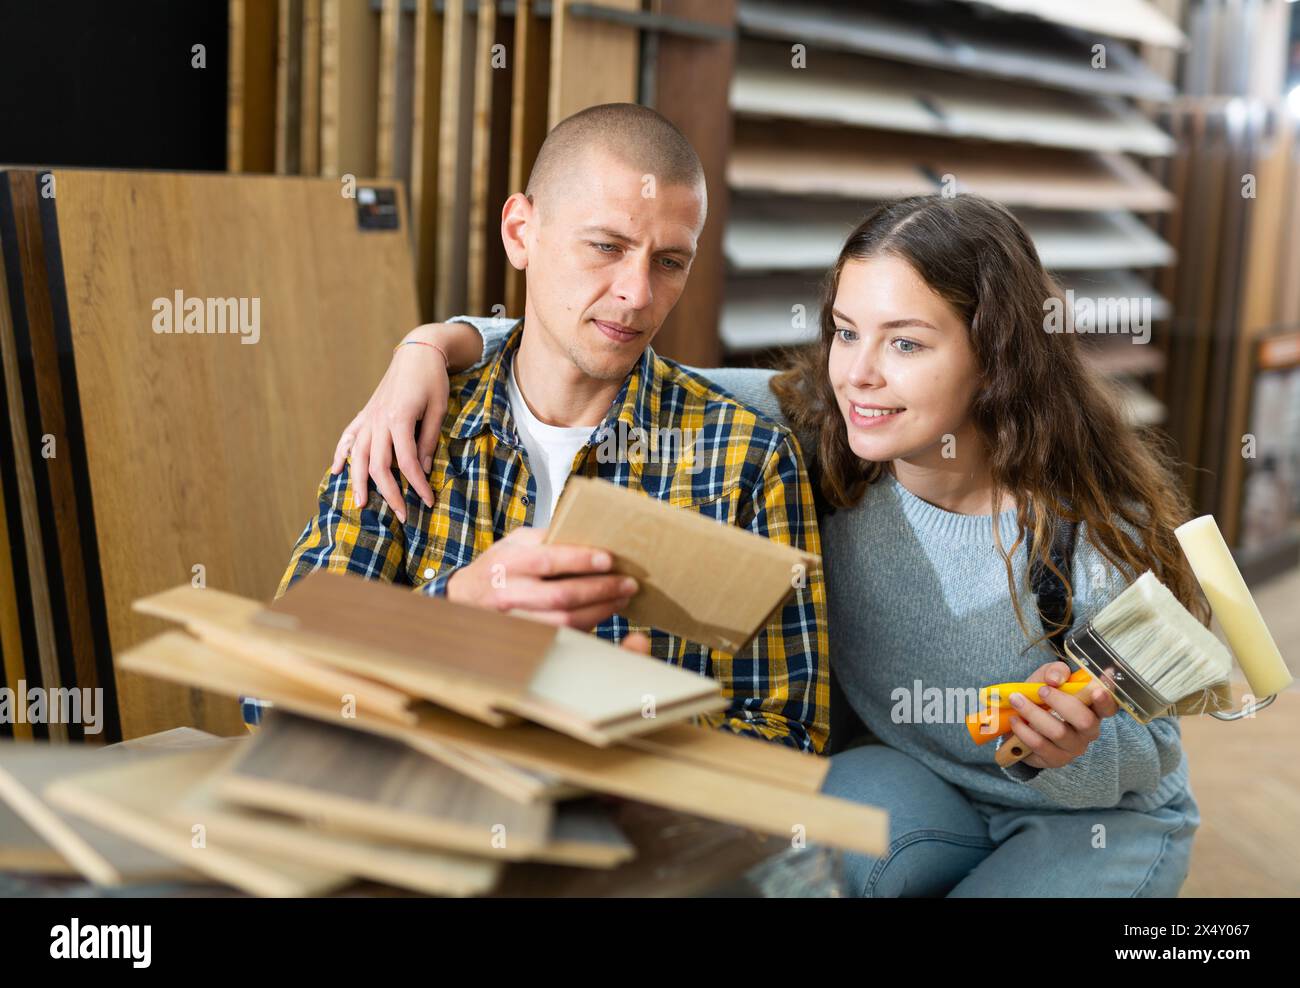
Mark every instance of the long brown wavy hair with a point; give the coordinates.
(1056, 439)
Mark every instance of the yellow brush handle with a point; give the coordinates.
(999, 695)
(1013, 749)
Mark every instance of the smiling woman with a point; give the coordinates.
(948, 429)
(934, 312)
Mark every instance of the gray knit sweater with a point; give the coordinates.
(920, 615)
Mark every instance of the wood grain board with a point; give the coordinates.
(251, 100)
(489, 158)
(378, 787)
(100, 854)
(568, 680)
(136, 802)
(396, 91)
(349, 87)
(666, 550)
(309, 110)
(691, 79)
(23, 850)
(390, 620)
(17, 631)
(311, 845)
(583, 834)
(455, 154)
(289, 87)
(425, 133)
(159, 410)
(12, 612)
(592, 61)
(68, 626)
(528, 110)
(225, 623)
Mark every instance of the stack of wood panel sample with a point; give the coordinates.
(395, 756)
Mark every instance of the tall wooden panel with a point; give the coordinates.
(396, 67)
(202, 452)
(455, 154)
(288, 88)
(309, 112)
(425, 125)
(692, 78)
(67, 645)
(250, 108)
(490, 155)
(529, 100)
(349, 87)
(592, 61)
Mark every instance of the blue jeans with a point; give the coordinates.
(943, 844)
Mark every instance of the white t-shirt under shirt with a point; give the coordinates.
(550, 448)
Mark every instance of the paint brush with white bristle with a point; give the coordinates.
(1146, 650)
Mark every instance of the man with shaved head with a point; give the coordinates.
(605, 234)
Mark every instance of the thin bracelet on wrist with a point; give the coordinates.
(445, 359)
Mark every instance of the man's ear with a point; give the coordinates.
(516, 215)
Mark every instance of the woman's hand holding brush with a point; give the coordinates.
(1056, 742)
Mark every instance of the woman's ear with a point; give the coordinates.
(517, 213)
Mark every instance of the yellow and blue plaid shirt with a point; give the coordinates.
(746, 471)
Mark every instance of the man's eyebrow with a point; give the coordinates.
(608, 234)
(604, 231)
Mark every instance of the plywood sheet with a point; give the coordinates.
(136, 802)
(383, 618)
(163, 412)
(69, 640)
(290, 839)
(100, 854)
(575, 682)
(379, 787)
